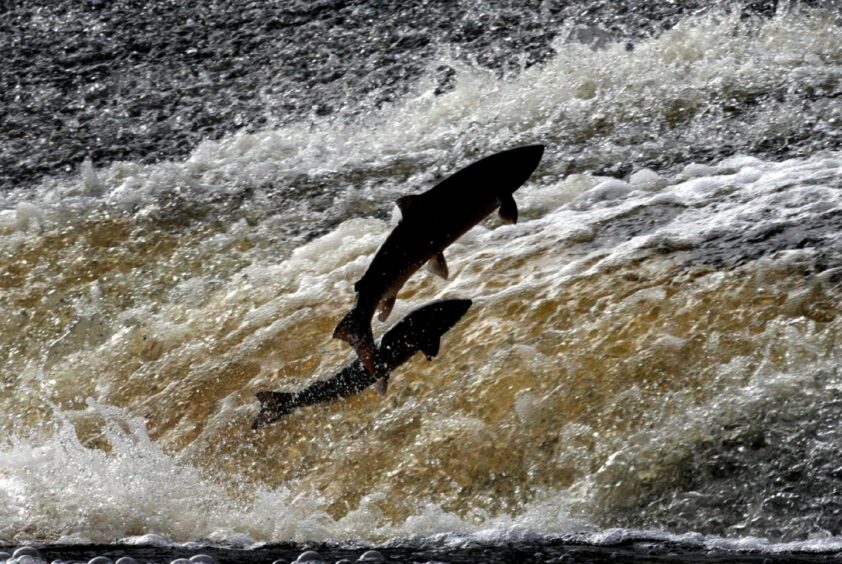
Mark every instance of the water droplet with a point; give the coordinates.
(26, 551)
(310, 556)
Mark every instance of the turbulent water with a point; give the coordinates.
(655, 346)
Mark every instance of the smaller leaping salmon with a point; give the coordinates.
(429, 223)
(420, 330)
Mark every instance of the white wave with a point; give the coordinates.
(136, 494)
(592, 107)
(58, 487)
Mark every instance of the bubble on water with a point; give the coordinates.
(26, 551)
(309, 556)
(696, 170)
(372, 556)
(100, 560)
(152, 539)
(203, 559)
(605, 191)
(647, 179)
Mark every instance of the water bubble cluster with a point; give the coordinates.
(31, 555)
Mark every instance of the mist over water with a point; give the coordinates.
(654, 346)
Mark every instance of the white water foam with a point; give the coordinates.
(136, 487)
(60, 488)
(606, 106)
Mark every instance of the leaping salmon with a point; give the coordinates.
(429, 223)
(420, 330)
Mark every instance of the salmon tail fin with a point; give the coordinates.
(357, 332)
(273, 406)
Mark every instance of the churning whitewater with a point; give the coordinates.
(654, 346)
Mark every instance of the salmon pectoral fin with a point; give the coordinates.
(382, 385)
(431, 348)
(508, 209)
(386, 308)
(349, 327)
(438, 266)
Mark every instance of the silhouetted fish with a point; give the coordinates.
(430, 222)
(420, 330)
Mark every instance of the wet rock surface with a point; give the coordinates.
(146, 81)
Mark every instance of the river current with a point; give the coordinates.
(653, 349)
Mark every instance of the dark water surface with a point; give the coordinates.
(526, 552)
(145, 81)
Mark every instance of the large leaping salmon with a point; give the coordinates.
(420, 330)
(430, 222)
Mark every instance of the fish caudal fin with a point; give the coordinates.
(508, 209)
(273, 406)
(356, 331)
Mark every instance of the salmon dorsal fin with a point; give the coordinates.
(406, 203)
(438, 266)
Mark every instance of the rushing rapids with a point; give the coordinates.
(654, 346)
